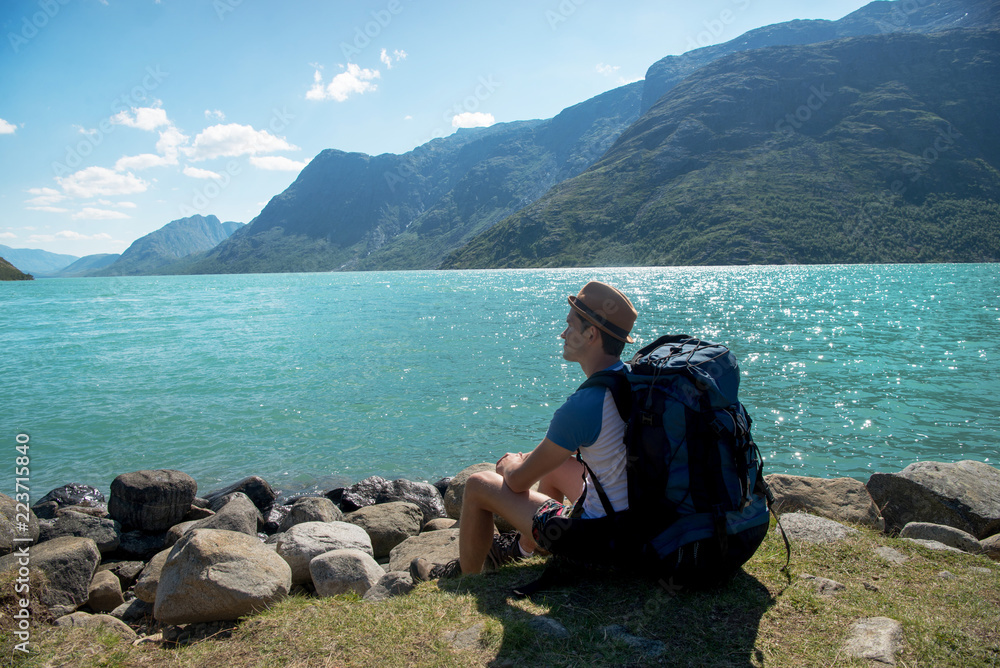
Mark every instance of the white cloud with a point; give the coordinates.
(90, 213)
(96, 181)
(607, 70)
(143, 161)
(8, 235)
(232, 140)
(215, 114)
(126, 205)
(44, 197)
(472, 119)
(48, 209)
(353, 80)
(84, 131)
(6, 128)
(407, 118)
(69, 234)
(144, 118)
(196, 173)
(277, 163)
(170, 141)
(398, 54)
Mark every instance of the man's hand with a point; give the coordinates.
(510, 461)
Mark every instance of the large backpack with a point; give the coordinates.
(694, 471)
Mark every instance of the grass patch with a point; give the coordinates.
(762, 618)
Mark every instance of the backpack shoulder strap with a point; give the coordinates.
(621, 389)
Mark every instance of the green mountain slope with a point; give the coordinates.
(9, 272)
(871, 149)
(37, 262)
(355, 211)
(178, 239)
(87, 264)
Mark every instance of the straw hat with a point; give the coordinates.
(606, 308)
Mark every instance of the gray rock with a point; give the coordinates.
(238, 513)
(74, 494)
(991, 547)
(104, 531)
(176, 531)
(105, 592)
(892, 555)
(388, 524)
(980, 570)
(933, 545)
(149, 578)
(649, 647)
(69, 563)
(546, 626)
(436, 546)
(133, 611)
(256, 488)
(93, 511)
(812, 529)
(340, 571)
(839, 499)
(83, 620)
(875, 639)
(12, 526)
(947, 575)
(142, 544)
(213, 575)
(956, 538)
(456, 488)
(196, 513)
(374, 490)
(300, 544)
(823, 586)
(151, 500)
(274, 516)
(127, 572)
(965, 495)
(311, 509)
(393, 583)
(440, 523)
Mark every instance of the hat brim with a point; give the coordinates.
(582, 311)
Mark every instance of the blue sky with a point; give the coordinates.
(117, 117)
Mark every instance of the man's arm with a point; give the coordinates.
(521, 471)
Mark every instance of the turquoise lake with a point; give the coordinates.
(317, 380)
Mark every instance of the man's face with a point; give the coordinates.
(574, 336)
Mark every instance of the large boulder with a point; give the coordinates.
(456, 488)
(103, 530)
(69, 563)
(374, 490)
(991, 547)
(149, 578)
(311, 509)
(256, 488)
(300, 544)
(437, 547)
(142, 544)
(214, 575)
(839, 499)
(151, 500)
(388, 524)
(965, 495)
(12, 526)
(340, 571)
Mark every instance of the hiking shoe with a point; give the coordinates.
(422, 570)
(505, 550)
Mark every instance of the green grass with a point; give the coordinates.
(762, 618)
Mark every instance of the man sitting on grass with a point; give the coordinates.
(597, 329)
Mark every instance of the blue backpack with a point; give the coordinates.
(694, 472)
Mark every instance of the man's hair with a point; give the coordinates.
(610, 344)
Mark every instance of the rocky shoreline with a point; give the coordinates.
(158, 562)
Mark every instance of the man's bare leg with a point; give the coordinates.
(566, 481)
(485, 494)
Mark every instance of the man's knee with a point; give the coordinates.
(481, 484)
